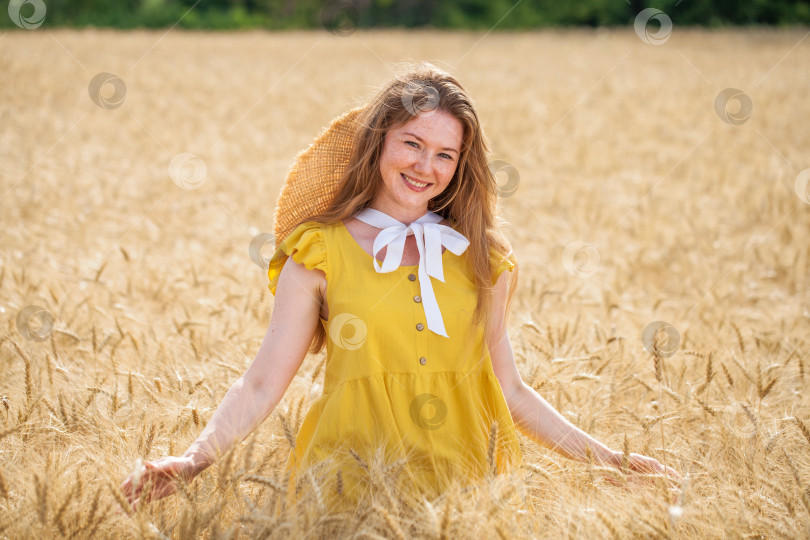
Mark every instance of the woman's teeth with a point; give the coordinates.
(414, 183)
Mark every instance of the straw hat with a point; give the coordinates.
(315, 174)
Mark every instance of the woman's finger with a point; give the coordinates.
(675, 473)
(151, 480)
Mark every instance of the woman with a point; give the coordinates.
(420, 371)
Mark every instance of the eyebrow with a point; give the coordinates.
(415, 136)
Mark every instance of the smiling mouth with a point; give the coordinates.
(413, 182)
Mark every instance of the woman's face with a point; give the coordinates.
(418, 161)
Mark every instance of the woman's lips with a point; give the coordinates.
(413, 187)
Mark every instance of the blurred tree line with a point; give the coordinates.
(345, 15)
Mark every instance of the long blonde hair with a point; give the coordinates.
(470, 197)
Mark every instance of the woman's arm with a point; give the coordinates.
(535, 416)
(538, 419)
(257, 392)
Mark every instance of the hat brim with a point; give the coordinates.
(315, 175)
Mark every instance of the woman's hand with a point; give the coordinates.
(647, 465)
(641, 468)
(159, 477)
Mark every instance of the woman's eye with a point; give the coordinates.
(412, 144)
(446, 156)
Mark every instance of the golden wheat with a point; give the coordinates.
(157, 307)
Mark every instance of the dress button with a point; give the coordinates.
(423, 360)
(420, 326)
(412, 277)
(417, 298)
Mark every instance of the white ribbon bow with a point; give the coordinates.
(430, 237)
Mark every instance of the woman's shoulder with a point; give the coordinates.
(311, 232)
(306, 245)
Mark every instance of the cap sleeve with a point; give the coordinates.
(499, 263)
(306, 246)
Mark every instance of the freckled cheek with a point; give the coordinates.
(445, 172)
(399, 160)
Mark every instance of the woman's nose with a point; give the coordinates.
(422, 164)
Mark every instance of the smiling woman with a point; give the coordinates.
(417, 163)
(420, 379)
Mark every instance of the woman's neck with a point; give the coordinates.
(403, 215)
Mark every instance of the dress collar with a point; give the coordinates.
(430, 237)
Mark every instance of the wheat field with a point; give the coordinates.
(130, 302)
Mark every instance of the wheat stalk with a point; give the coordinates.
(263, 480)
(147, 447)
(92, 521)
(729, 378)
(286, 427)
(114, 401)
(316, 490)
(786, 498)
(226, 470)
(444, 526)
(339, 482)
(120, 499)
(15, 429)
(608, 523)
(60, 512)
(493, 438)
(50, 367)
(625, 454)
(659, 376)
(360, 461)
(709, 374)
(389, 519)
(29, 385)
(41, 491)
(501, 534)
(802, 428)
(767, 389)
(247, 458)
(740, 340)
(297, 417)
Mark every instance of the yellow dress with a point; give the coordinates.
(392, 388)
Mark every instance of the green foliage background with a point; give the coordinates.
(459, 14)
